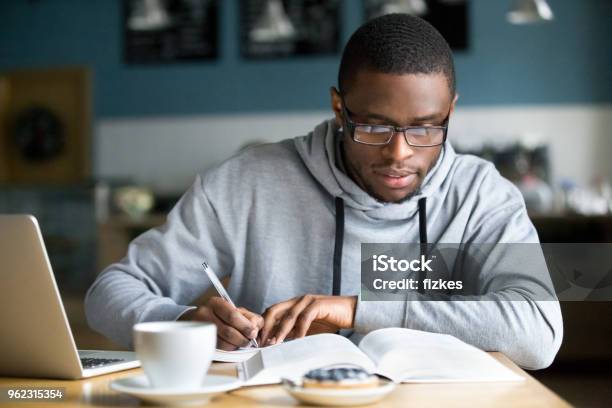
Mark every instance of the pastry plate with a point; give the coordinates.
(339, 397)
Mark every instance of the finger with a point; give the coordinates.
(288, 320)
(255, 319)
(305, 319)
(290, 335)
(232, 317)
(229, 334)
(265, 341)
(232, 336)
(271, 316)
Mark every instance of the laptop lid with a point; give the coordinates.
(36, 340)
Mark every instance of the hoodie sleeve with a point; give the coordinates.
(162, 272)
(519, 314)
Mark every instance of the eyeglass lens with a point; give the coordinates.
(418, 136)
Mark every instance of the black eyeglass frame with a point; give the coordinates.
(395, 129)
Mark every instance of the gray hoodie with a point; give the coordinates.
(267, 218)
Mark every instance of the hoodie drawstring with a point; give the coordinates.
(338, 246)
(339, 242)
(423, 221)
(422, 237)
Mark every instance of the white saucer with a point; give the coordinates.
(138, 386)
(340, 397)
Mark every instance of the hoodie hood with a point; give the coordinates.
(319, 150)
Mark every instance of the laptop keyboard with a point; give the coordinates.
(88, 362)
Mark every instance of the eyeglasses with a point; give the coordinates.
(380, 135)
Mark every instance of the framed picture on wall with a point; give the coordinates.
(450, 17)
(169, 30)
(285, 28)
(45, 126)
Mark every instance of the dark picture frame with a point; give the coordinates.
(158, 31)
(287, 28)
(450, 18)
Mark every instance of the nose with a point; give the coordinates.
(398, 149)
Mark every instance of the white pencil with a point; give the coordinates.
(222, 292)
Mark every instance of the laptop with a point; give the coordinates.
(35, 339)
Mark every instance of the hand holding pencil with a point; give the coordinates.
(236, 327)
(223, 293)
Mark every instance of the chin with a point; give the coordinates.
(406, 197)
(402, 197)
(395, 197)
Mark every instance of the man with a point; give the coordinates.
(286, 220)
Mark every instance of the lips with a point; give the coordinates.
(394, 179)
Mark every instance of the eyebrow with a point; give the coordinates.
(377, 116)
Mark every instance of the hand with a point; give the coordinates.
(295, 317)
(235, 326)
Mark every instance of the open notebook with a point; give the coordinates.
(236, 356)
(403, 355)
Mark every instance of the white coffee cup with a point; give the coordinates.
(175, 354)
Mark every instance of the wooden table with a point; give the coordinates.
(96, 392)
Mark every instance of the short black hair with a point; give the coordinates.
(396, 44)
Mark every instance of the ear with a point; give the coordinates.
(336, 105)
(452, 108)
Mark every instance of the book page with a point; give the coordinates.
(406, 355)
(294, 358)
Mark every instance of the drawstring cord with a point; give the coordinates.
(338, 247)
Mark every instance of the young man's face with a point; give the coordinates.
(393, 172)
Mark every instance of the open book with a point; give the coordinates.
(403, 355)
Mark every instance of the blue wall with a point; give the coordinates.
(566, 61)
